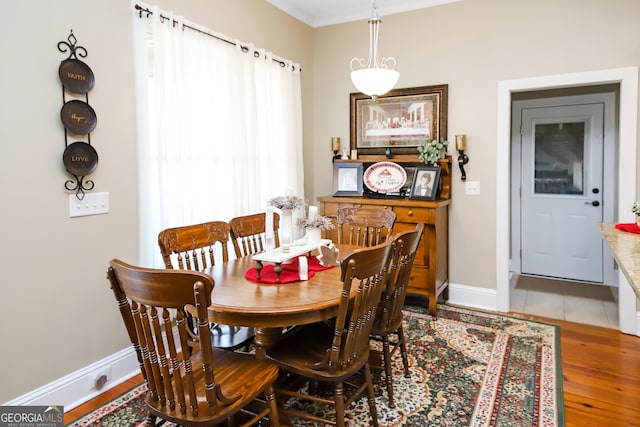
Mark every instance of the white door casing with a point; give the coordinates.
(627, 78)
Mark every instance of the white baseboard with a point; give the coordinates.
(79, 386)
(470, 296)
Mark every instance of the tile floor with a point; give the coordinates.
(572, 301)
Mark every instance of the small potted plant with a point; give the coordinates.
(635, 208)
(313, 227)
(431, 151)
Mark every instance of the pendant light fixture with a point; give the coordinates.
(375, 76)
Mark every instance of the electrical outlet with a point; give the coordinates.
(472, 188)
(101, 378)
(91, 204)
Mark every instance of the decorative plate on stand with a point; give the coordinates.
(385, 177)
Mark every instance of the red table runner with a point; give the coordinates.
(289, 272)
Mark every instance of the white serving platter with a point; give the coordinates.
(385, 177)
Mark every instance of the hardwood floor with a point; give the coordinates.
(600, 367)
(601, 371)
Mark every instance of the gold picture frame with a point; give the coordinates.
(401, 119)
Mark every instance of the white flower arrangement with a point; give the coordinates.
(430, 152)
(321, 222)
(635, 208)
(287, 202)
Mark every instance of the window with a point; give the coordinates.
(219, 131)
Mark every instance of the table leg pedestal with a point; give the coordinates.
(264, 338)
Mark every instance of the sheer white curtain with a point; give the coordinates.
(219, 130)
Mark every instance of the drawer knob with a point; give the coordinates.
(410, 213)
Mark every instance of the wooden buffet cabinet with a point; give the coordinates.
(430, 275)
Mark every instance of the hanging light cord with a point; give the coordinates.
(374, 29)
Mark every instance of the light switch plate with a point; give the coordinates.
(91, 204)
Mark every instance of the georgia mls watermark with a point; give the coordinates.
(31, 416)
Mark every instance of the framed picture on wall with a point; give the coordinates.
(426, 181)
(401, 119)
(347, 179)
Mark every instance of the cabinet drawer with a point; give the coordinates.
(408, 214)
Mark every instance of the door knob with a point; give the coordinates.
(594, 203)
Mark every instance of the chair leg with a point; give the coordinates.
(274, 417)
(371, 395)
(403, 352)
(150, 421)
(338, 396)
(387, 370)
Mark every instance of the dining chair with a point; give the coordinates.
(196, 247)
(365, 226)
(323, 353)
(387, 327)
(248, 233)
(203, 386)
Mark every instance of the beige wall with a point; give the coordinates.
(471, 45)
(58, 313)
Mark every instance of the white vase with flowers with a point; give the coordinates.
(313, 228)
(287, 205)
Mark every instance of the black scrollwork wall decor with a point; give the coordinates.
(79, 158)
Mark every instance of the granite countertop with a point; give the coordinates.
(625, 247)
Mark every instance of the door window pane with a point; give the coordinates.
(559, 158)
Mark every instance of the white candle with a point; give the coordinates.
(313, 212)
(268, 224)
(303, 268)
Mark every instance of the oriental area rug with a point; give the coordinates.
(468, 368)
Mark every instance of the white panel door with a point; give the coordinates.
(561, 185)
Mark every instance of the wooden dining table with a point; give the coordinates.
(271, 307)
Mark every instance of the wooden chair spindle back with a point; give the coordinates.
(364, 272)
(248, 233)
(194, 247)
(365, 227)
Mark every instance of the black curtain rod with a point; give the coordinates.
(245, 49)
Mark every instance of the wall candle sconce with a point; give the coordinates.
(335, 147)
(463, 159)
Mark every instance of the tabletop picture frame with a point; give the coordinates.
(426, 182)
(347, 179)
(401, 119)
